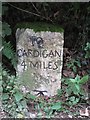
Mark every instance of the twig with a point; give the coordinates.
(35, 8)
(38, 15)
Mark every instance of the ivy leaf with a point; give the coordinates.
(18, 96)
(56, 106)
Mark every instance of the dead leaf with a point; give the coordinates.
(67, 73)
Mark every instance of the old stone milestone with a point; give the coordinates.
(40, 59)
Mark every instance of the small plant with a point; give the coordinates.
(47, 108)
(74, 91)
(13, 100)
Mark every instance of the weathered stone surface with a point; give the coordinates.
(40, 61)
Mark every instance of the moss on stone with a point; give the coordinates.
(40, 26)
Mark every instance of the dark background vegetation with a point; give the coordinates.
(74, 18)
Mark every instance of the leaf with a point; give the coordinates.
(74, 69)
(4, 73)
(65, 73)
(72, 80)
(77, 78)
(18, 96)
(5, 96)
(72, 98)
(46, 109)
(75, 91)
(87, 55)
(59, 92)
(6, 30)
(30, 96)
(9, 52)
(77, 86)
(20, 107)
(56, 106)
(77, 100)
(78, 63)
(84, 79)
(24, 104)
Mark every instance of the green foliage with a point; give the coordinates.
(73, 64)
(87, 50)
(48, 108)
(74, 85)
(84, 79)
(13, 100)
(74, 91)
(18, 96)
(73, 100)
(59, 92)
(9, 52)
(56, 106)
(30, 96)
